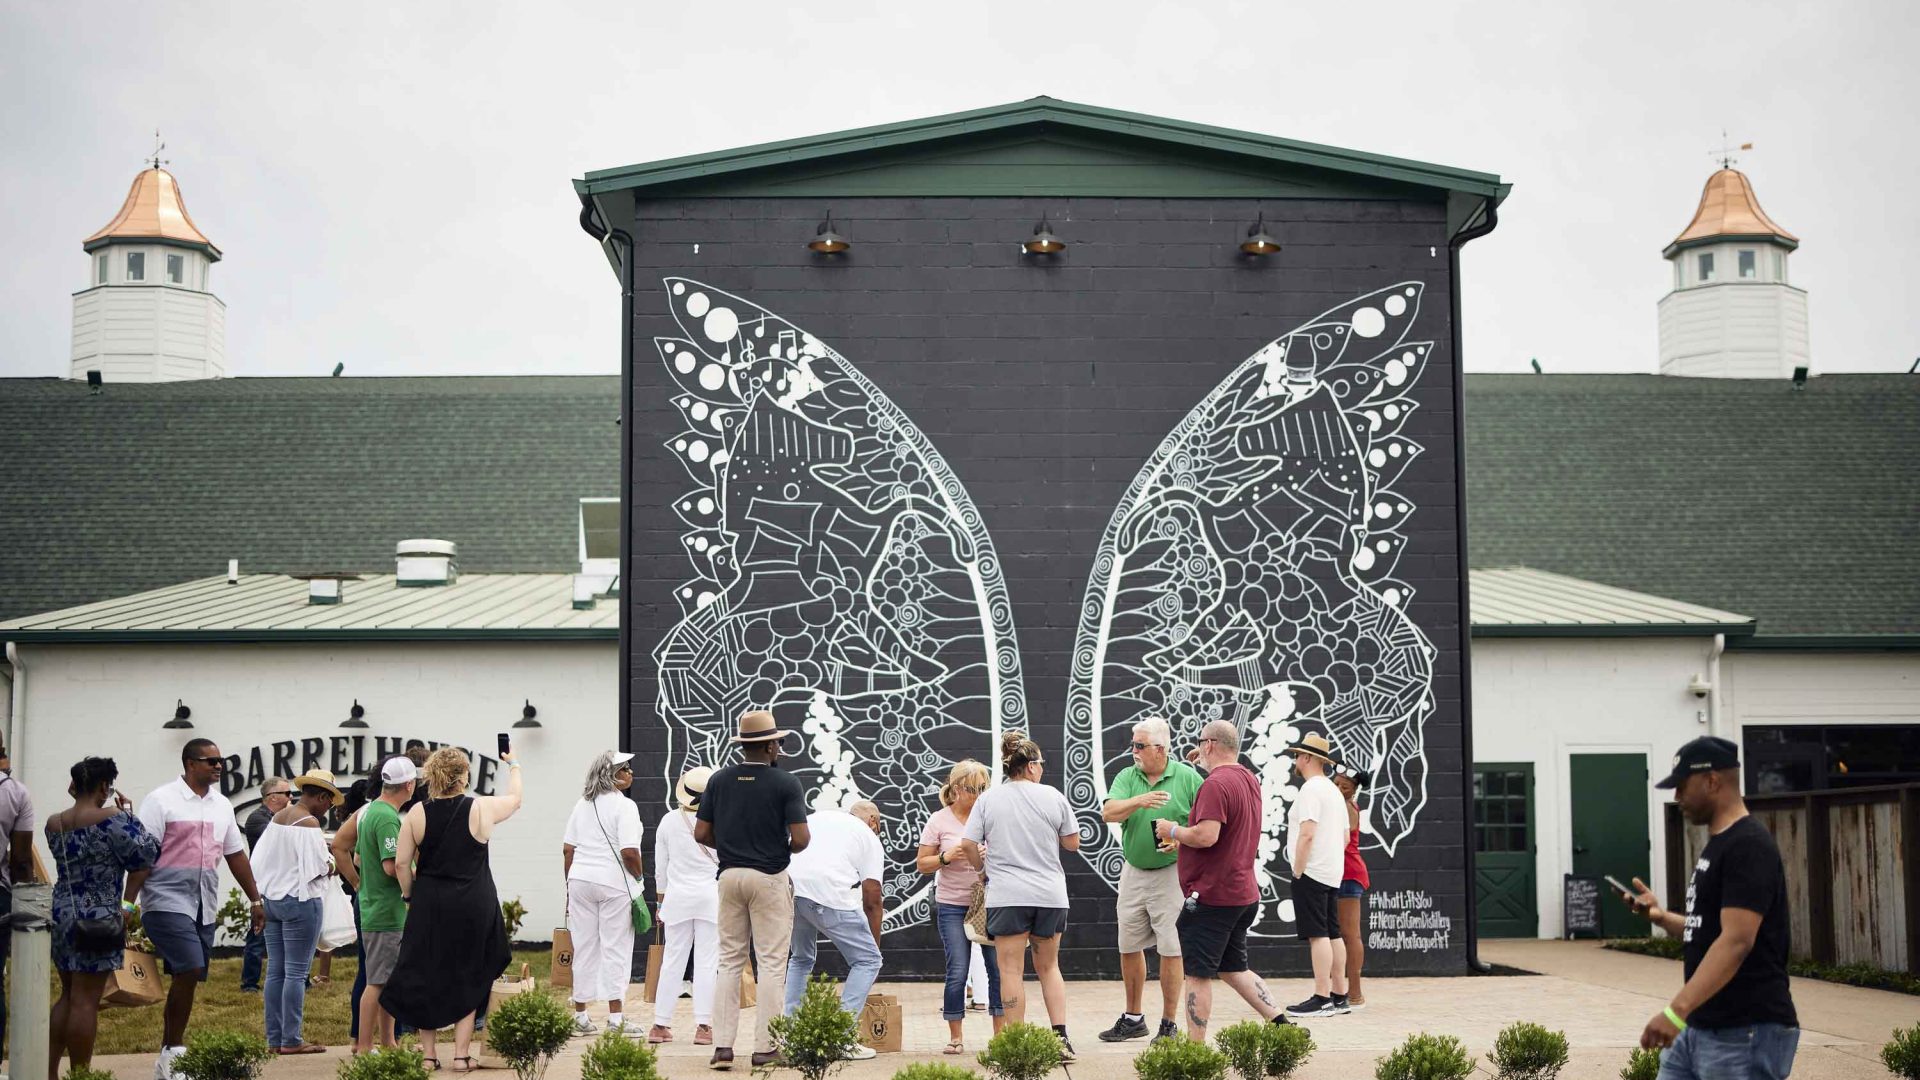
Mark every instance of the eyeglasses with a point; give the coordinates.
(271, 794)
(1147, 746)
(216, 762)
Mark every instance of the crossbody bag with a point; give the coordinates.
(642, 915)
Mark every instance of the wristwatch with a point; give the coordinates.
(943, 858)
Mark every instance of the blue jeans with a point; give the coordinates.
(952, 921)
(850, 933)
(1758, 1052)
(293, 929)
(252, 960)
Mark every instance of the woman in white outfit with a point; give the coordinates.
(689, 911)
(601, 849)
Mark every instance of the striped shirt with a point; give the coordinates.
(197, 833)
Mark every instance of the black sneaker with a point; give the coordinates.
(1313, 1006)
(1066, 1048)
(1167, 1030)
(1125, 1028)
(1338, 1005)
(1280, 1018)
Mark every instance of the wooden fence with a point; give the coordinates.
(1853, 883)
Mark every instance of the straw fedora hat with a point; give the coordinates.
(692, 785)
(320, 778)
(1314, 744)
(758, 726)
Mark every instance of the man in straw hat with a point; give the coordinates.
(754, 816)
(1317, 831)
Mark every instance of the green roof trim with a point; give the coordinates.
(1210, 147)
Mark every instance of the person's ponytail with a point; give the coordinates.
(1016, 753)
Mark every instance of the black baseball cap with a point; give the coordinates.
(1705, 754)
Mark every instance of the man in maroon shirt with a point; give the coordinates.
(1217, 847)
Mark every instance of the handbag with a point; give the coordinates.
(976, 924)
(101, 934)
(642, 915)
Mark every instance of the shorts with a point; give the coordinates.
(379, 954)
(184, 943)
(1148, 910)
(1351, 889)
(1213, 940)
(1316, 910)
(1040, 922)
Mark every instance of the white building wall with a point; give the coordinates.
(111, 700)
(1541, 700)
(1774, 688)
(1734, 330)
(151, 331)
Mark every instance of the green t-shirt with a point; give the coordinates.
(1181, 782)
(380, 905)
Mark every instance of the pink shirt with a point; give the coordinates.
(953, 883)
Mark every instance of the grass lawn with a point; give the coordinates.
(220, 1004)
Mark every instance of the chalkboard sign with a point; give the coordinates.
(1580, 901)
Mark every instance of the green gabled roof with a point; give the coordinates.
(1085, 150)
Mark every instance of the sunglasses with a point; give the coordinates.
(1144, 745)
(216, 762)
(271, 794)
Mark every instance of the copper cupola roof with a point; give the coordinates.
(154, 210)
(1730, 210)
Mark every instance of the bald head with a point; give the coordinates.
(1224, 735)
(866, 811)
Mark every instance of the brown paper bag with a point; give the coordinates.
(561, 974)
(507, 986)
(880, 1023)
(137, 983)
(749, 992)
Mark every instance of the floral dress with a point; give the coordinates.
(92, 864)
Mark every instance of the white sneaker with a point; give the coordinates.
(860, 1052)
(163, 1065)
(618, 1022)
(582, 1025)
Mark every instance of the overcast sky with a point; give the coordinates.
(389, 182)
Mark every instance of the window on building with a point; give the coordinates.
(1818, 757)
(1779, 267)
(1500, 800)
(1749, 265)
(1706, 266)
(136, 266)
(100, 269)
(600, 536)
(177, 269)
(1679, 272)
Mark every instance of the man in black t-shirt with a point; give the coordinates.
(1734, 1017)
(754, 816)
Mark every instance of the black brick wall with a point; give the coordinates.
(1046, 387)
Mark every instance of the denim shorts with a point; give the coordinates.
(184, 943)
(1351, 889)
(1755, 1052)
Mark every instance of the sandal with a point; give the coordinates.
(432, 1063)
(470, 1065)
(955, 1047)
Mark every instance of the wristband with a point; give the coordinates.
(129, 906)
(1674, 1018)
(513, 764)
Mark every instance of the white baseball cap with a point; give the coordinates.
(399, 770)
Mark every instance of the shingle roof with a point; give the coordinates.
(149, 485)
(1797, 508)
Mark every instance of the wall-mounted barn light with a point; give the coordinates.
(1043, 242)
(180, 719)
(1258, 241)
(356, 716)
(527, 714)
(825, 240)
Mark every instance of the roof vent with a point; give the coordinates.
(327, 588)
(425, 563)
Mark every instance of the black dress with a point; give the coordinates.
(455, 943)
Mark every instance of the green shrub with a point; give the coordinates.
(89, 1074)
(1529, 1052)
(1426, 1057)
(1256, 1049)
(816, 1038)
(1022, 1052)
(1901, 1055)
(1180, 1059)
(1642, 1064)
(935, 1070)
(528, 1030)
(390, 1063)
(613, 1056)
(222, 1055)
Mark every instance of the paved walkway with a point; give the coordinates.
(1600, 999)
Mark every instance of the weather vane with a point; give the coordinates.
(158, 146)
(1728, 150)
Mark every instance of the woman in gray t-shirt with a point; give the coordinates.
(1024, 827)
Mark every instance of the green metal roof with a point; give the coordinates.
(274, 607)
(1100, 151)
(1513, 601)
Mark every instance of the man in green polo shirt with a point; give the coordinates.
(1153, 787)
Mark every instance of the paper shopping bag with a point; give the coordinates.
(507, 986)
(650, 991)
(880, 1023)
(137, 982)
(561, 974)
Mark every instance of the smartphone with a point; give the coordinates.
(1615, 882)
(505, 746)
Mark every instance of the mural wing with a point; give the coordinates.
(838, 574)
(1248, 575)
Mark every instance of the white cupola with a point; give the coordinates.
(145, 314)
(1732, 314)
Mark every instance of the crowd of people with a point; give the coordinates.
(745, 867)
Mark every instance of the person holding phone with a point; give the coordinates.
(1734, 1016)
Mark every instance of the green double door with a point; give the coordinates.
(1503, 850)
(1608, 799)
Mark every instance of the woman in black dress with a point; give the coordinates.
(455, 944)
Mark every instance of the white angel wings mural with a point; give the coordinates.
(840, 569)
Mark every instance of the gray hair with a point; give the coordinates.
(600, 775)
(864, 809)
(1157, 731)
(1224, 735)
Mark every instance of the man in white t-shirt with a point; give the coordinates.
(836, 892)
(1317, 839)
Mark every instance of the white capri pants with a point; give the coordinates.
(601, 920)
(701, 937)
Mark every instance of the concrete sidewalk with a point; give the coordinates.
(1600, 999)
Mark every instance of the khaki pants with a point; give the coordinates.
(756, 908)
